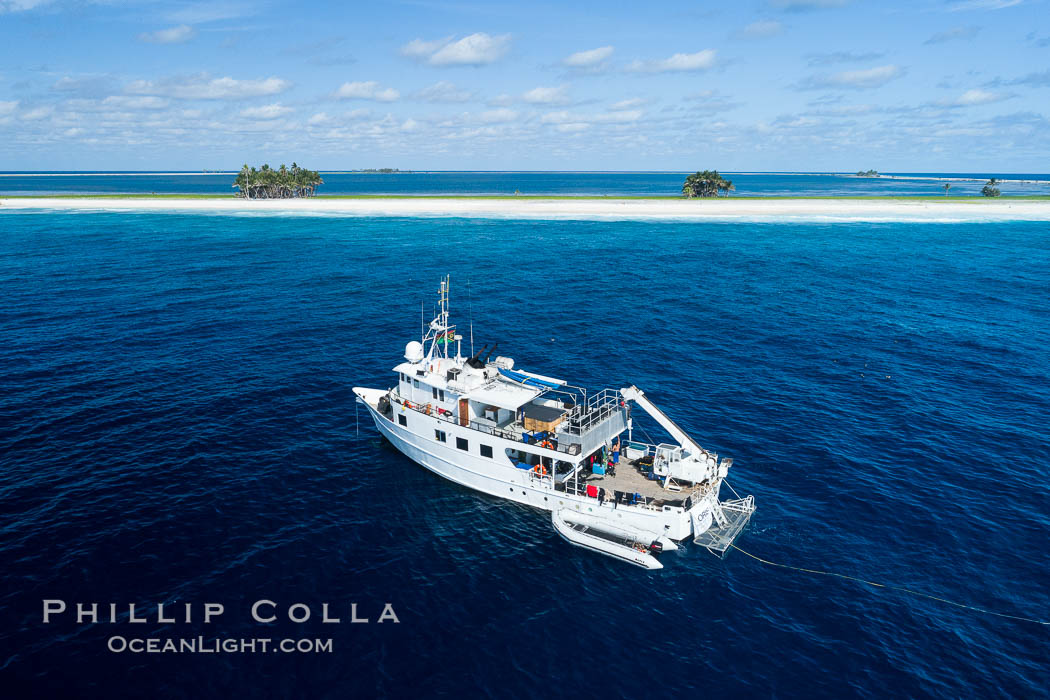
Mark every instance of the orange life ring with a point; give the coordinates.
(540, 470)
(547, 444)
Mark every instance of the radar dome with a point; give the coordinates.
(414, 352)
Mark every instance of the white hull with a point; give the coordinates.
(498, 477)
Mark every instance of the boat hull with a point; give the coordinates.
(416, 440)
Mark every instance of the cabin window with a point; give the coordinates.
(401, 419)
(461, 443)
(486, 451)
(415, 383)
(440, 435)
(434, 389)
(441, 394)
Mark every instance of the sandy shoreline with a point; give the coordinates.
(591, 209)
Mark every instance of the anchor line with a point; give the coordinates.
(891, 587)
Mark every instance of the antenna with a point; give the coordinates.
(470, 306)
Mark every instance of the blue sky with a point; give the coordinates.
(930, 85)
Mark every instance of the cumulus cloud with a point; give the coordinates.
(474, 50)
(367, 90)
(171, 35)
(761, 29)
(680, 62)
(273, 111)
(546, 95)
(952, 34)
(204, 87)
(854, 79)
(443, 91)
(591, 60)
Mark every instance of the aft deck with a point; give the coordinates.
(629, 478)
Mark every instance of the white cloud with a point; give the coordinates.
(171, 35)
(499, 116)
(628, 104)
(976, 96)
(954, 33)
(546, 95)
(7, 108)
(38, 113)
(417, 48)
(855, 79)
(204, 87)
(591, 59)
(272, 111)
(319, 118)
(680, 62)
(367, 90)
(444, 91)
(761, 29)
(474, 50)
(20, 5)
(126, 102)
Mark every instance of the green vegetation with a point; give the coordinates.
(283, 183)
(867, 173)
(707, 183)
(991, 189)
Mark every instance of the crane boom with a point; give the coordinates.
(633, 393)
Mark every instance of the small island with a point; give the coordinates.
(706, 183)
(868, 173)
(283, 183)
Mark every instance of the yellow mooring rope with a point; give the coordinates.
(886, 585)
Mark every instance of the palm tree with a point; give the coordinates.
(991, 189)
(947, 186)
(267, 183)
(706, 183)
(726, 186)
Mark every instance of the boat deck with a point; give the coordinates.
(630, 479)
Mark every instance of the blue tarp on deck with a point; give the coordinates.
(523, 378)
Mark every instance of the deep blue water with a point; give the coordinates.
(533, 183)
(177, 425)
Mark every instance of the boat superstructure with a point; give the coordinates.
(481, 422)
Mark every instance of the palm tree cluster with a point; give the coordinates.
(706, 184)
(991, 189)
(267, 183)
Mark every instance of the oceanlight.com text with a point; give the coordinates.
(201, 645)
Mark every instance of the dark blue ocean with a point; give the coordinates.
(177, 426)
(649, 184)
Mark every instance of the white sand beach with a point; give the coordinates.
(584, 208)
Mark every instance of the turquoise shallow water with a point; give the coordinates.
(176, 424)
(535, 183)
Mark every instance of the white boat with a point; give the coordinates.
(480, 422)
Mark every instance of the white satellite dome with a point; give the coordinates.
(414, 352)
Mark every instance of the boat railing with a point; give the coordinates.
(596, 409)
(568, 448)
(580, 489)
